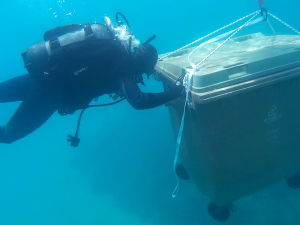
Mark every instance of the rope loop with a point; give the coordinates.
(264, 13)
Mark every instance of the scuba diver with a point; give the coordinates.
(74, 65)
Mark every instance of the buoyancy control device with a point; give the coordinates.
(38, 59)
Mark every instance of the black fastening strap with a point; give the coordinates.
(54, 44)
(88, 30)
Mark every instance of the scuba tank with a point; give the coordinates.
(36, 58)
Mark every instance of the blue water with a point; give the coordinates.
(122, 171)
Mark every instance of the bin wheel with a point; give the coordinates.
(294, 181)
(181, 172)
(219, 213)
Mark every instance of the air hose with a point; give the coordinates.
(75, 140)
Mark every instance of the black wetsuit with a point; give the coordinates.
(41, 96)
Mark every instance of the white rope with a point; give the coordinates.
(284, 23)
(222, 36)
(241, 27)
(207, 35)
(187, 82)
(271, 27)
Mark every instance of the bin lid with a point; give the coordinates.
(240, 59)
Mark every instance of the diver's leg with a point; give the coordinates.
(35, 110)
(15, 89)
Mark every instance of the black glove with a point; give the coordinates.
(177, 88)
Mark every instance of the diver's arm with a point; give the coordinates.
(140, 100)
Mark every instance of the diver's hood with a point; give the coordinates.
(145, 58)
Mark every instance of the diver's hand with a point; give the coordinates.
(179, 81)
(177, 88)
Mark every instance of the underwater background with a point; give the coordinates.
(122, 172)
